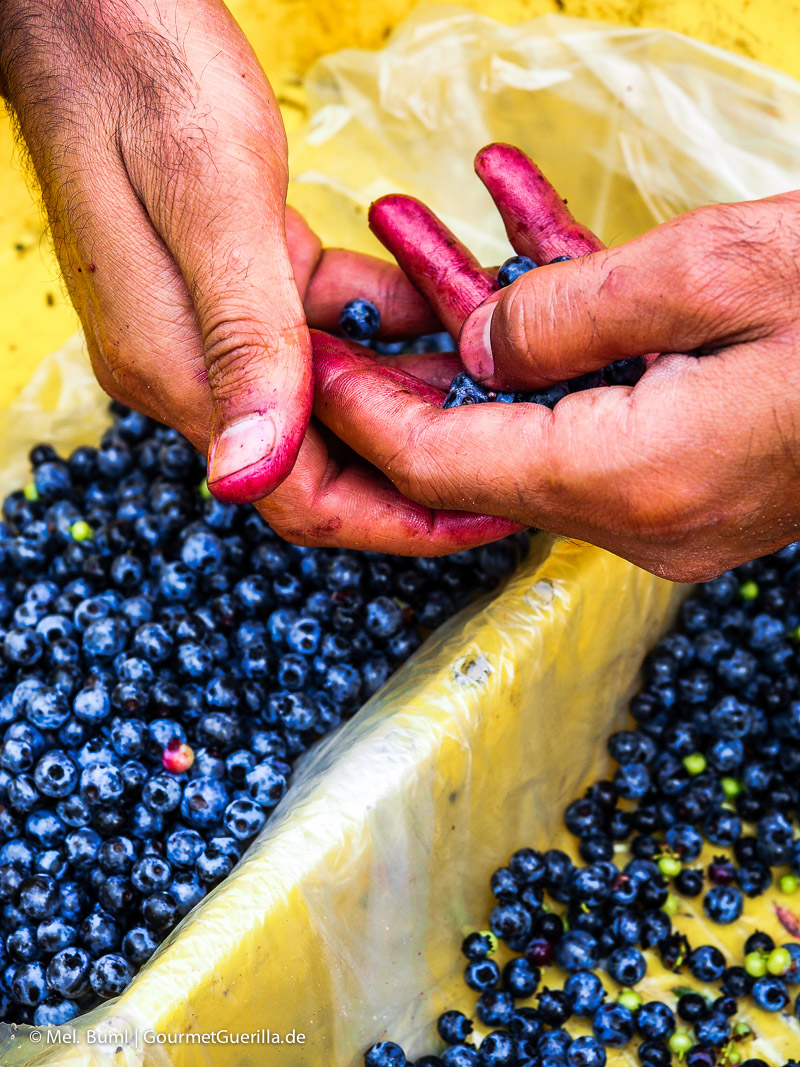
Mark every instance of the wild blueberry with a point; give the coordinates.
(360, 320)
(613, 1025)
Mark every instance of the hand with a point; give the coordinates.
(161, 156)
(693, 470)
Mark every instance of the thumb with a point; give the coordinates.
(215, 189)
(661, 292)
(257, 355)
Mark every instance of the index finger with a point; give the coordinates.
(522, 461)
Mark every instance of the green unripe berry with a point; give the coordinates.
(733, 1054)
(680, 1043)
(30, 492)
(81, 531)
(670, 867)
(779, 961)
(203, 490)
(742, 1030)
(491, 939)
(731, 787)
(695, 763)
(749, 590)
(789, 883)
(755, 963)
(671, 905)
(630, 999)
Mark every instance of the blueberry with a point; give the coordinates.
(520, 978)
(384, 1054)
(476, 946)
(547, 397)
(554, 1006)
(722, 827)
(481, 975)
(723, 904)
(454, 1027)
(185, 891)
(162, 793)
(706, 963)
(655, 1021)
(512, 269)
(82, 846)
(627, 966)
(712, 1029)
(613, 1025)
(770, 993)
(585, 992)
(586, 1052)
(497, 1050)
(99, 933)
(217, 860)
(29, 984)
(243, 818)
(632, 780)
(510, 922)
(151, 873)
(54, 1011)
(463, 390)
(360, 320)
(459, 1056)
(101, 783)
(577, 951)
(495, 1008)
(109, 975)
(39, 897)
(204, 801)
(265, 784)
(138, 945)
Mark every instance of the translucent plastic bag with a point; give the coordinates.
(633, 126)
(344, 921)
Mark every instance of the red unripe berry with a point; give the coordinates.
(538, 952)
(177, 757)
(721, 871)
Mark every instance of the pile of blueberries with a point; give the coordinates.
(164, 658)
(360, 321)
(712, 759)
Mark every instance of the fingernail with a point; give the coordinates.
(475, 342)
(241, 445)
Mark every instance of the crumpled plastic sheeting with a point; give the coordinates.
(61, 403)
(633, 126)
(344, 921)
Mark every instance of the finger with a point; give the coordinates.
(444, 271)
(343, 275)
(660, 292)
(537, 220)
(539, 225)
(214, 184)
(436, 368)
(305, 250)
(560, 470)
(324, 502)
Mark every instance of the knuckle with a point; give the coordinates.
(523, 323)
(235, 353)
(416, 471)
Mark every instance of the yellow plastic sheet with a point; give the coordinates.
(344, 921)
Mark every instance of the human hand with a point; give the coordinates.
(161, 156)
(688, 473)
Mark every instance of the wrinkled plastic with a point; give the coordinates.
(344, 921)
(632, 126)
